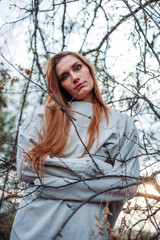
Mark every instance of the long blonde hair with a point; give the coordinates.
(57, 122)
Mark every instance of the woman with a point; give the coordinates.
(78, 157)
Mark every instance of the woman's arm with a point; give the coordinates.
(117, 183)
(78, 179)
(28, 134)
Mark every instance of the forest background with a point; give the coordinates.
(121, 38)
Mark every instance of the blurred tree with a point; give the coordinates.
(122, 39)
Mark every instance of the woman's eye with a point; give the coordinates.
(64, 77)
(78, 67)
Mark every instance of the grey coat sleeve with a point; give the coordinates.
(78, 179)
(118, 184)
(28, 133)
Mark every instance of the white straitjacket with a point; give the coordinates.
(63, 205)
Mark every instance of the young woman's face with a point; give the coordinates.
(75, 78)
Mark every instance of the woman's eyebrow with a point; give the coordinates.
(71, 67)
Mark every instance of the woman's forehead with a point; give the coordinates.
(66, 63)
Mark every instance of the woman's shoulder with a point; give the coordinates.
(117, 115)
(34, 116)
(120, 120)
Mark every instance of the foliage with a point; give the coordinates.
(7, 120)
(121, 38)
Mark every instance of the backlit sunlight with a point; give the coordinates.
(151, 190)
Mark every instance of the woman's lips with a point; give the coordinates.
(79, 86)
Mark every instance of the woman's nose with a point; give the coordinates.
(75, 78)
